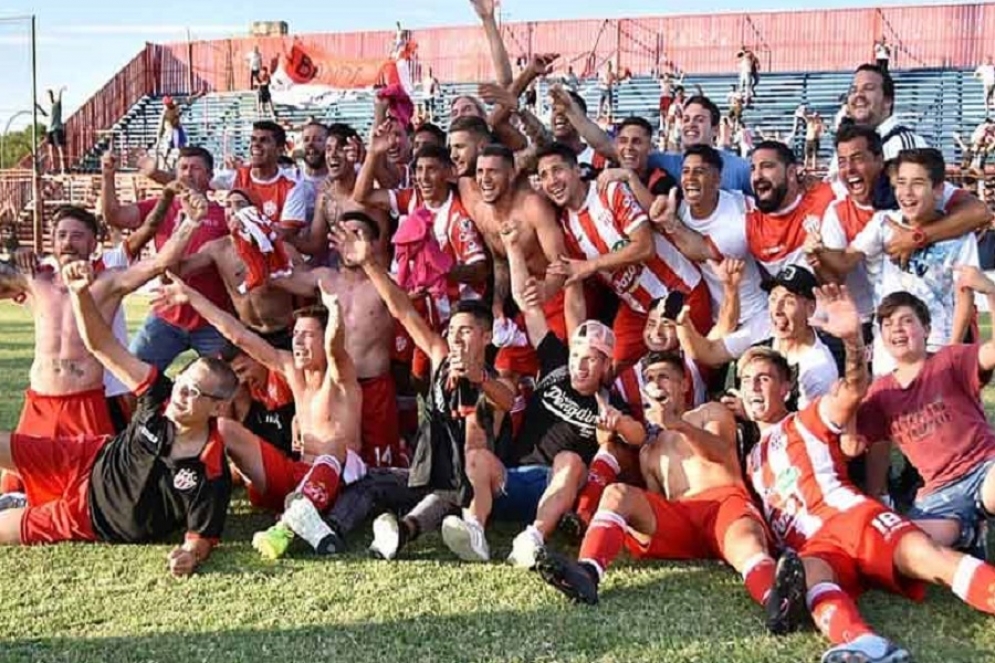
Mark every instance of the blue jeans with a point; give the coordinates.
(159, 342)
(960, 501)
(519, 497)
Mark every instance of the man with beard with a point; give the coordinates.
(775, 230)
(608, 234)
(314, 135)
(170, 331)
(369, 341)
(66, 394)
(265, 310)
(847, 542)
(695, 506)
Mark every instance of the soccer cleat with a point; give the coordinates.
(572, 526)
(785, 604)
(13, 501)
(466, 539)
(387, 535)
(578, 581)
(304, 520)
(273, 543)
(524, 549)
(857, 651)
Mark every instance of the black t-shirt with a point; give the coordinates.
(137, 494)
(557, 417)
(273, 426)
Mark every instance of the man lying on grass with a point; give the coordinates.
(166, 471)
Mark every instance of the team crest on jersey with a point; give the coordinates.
(185, 479)
(269, 208)
(401, 342)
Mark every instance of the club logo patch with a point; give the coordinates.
(185, 479)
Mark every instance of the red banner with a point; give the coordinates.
(309, 64)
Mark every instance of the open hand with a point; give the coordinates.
(836, 312)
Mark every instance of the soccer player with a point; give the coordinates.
(846, 541)
(165, 472)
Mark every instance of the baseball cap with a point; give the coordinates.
(796, 280)
(597, 335)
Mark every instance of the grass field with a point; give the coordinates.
(104, 603)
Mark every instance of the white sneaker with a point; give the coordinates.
(466, 539)
(524, 548)
(386, 536)
(304, 520)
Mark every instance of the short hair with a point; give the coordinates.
(437, 152)
(362, 217)
(635, 121)
(887, 82)
(476, 309)
(708, 154)
(851, 132)
(315, 123)
(929, 158)
(84, 216)
(198, 152)
(896, 300)
(708, 105)
(503, 152)
(342, 130)
(764, 353)
(472, 125)
(222, 373)
(316, 311)
(279, 134)
(437, 133)
(784, 153)
(672, 359)
(557, 149)
(579, 100)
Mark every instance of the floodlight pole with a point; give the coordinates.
(35, 175)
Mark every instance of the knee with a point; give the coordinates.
(617, 498)
(479, 462)
(567, 463)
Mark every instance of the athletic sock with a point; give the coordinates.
(836, 614)
(974, 583)
(603, 541)
(758, 576)
(321, 483)
(603, 471)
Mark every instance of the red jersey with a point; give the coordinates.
(603, 225)
(938, 420)
(776, 239)
(630, 383)
(282, 198)
(206, 281)
(799, 471)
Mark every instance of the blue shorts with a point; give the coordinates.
(961, 501)
(519, 497)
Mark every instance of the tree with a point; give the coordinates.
(17, 145)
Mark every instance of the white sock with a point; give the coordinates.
(963, 576)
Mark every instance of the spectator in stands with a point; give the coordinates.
(667, 92)
(735, 100)
(431, 90)
(264, 98)
(255, 59)
(813, 134)
(56, 134)
(569, 79)
(171, 126)
(882, 54)
(986, 73)
(749, 74)
(606, 89)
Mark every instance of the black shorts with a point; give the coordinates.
(811, 148)
(264, 95)
(56, 137)
(281, 339)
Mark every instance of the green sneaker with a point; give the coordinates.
(273, 543)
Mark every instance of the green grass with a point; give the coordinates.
(116, 603)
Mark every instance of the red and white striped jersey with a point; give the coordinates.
(776, 239)
(603, 225)
(799, 471)
(630, 382)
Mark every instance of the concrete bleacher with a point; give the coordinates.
(934, 102)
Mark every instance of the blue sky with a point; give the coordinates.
(81, 43)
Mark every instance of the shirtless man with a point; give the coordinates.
(327, 398)
(265, 310)
(66, 394)
(369, 343)
(695, 505)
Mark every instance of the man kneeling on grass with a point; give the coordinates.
(166, 471)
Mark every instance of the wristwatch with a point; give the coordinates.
(919, 237)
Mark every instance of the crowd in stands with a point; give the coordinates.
(686, 353)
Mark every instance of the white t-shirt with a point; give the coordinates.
(817, 372)
(726, 230)
(311, 185)
(986, 73)
(929, 275)
(116, 258)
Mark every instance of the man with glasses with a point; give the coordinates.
(164, 473)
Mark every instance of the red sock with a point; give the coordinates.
(758, 576)
(604, 539)
(836, 614)
(321, 483)
(974, 583)
(603, 471)
(10, 482)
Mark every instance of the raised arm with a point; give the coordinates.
(499, 55)
(114, 213)
(973, 279)
(137, 239)
(341, 369)
(837, 315)
(96, 333)
(587, 128)
(696, 347)
(365, 193)
(730, 272)
(524, 288)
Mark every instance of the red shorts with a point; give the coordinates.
(859, 545)
(381, 433)
(522, 360)
(56, 476)
(405, 352)
(283, 475)
(695, 527)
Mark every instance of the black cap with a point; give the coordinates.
(795, 279)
